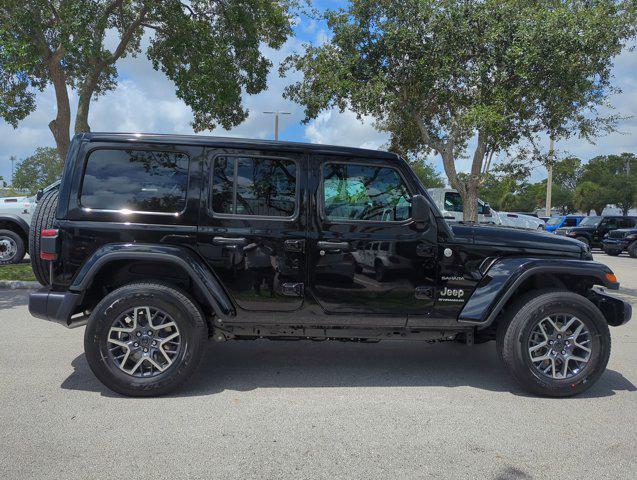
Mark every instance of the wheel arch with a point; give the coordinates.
(122, 263)
(16, 224)
(507, 279)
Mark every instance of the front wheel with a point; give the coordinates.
(145, 339)
(554, 343)
(612, 253)
(12, 247)
(632, 249)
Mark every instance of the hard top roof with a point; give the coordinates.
(229, 142)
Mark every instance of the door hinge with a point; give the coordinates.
(292, 289)
(294, 245)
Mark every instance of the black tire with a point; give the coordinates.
(515, 328)
(612, 253)
(184, 312)
(584, 240)
(379, 272)
(10, 241)
(43, 218)
(632, 249)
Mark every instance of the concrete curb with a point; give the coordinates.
(18, 284)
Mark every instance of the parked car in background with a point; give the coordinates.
(15, 217)
(450, 204)
(617, 241)
(591, 230)
(563, 221)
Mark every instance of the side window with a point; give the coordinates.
(453, 202)
(364, 192)
(611, 223)
(135, 180)
(243, 185)
(570, 222)
(627, 223)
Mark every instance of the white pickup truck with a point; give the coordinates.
(15, 217)
(450, 204)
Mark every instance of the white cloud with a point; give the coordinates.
(335, 128)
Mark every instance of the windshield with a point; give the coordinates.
(590, 222)
(554, 221)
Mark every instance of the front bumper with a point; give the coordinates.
(617, 312)
(57, 307)
(614, 244)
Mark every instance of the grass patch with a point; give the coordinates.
(20, 271)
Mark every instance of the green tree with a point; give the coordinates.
(426, 173)
(617, 175)
(208, 48)
(441, 75)
(591, 196)
(38, 170)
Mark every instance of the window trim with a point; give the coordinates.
(297, 189)
(321, 199)
(132, 212)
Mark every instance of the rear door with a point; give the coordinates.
(367, 257)
(252, 227)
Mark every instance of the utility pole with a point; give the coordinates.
(549, 180)
(276, 121)
(12, 162)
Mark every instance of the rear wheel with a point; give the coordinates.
(12, 248)
(43, 218)
(145, 339)
(632, 249)
(611, 252)
(554, 343)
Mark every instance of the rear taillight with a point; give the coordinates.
(49, 244)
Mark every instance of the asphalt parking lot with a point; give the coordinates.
(311, 410)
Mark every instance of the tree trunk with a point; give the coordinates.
(61, 125)
(81, 117)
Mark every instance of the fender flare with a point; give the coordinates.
(185, 258)
(505, 275)
(19, 221)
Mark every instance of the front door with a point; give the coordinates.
(368, 258)
(252, 230)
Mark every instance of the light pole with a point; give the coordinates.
(549, 180)
(276, 121)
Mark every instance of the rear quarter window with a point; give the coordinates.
(135, 180)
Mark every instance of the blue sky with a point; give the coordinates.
(144, 101)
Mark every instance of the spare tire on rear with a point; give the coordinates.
(43, 218)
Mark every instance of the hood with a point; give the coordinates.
(510, 240)
(581, 229)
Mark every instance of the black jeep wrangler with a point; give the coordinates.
(592, 230)
(617, 241)
(159, 243)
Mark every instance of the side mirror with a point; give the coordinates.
(487, 209)
(420, 211)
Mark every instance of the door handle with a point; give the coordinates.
(238, 241)
(325, 245)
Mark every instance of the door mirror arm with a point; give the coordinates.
(420, 212)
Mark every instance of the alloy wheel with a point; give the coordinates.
(144, 341)
(560, 346)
